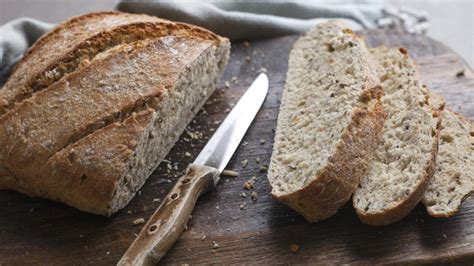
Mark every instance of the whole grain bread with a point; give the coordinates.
(92, 134)
(329, 123)
(405, 158)
(453, 179)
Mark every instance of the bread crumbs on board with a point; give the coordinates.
(254, 196)
(262, 70)
(294, 248)
(230, 173)
(248, 185)
(139, 221)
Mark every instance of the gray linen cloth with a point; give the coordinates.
(247, 20)
(238, 20)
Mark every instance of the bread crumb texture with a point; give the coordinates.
(453, 180)
(404, 159)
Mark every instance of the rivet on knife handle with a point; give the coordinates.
(168, 221)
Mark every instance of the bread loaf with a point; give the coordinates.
(329, 122)
(405, 158)
(97, 103)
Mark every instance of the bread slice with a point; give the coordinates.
(405, 157)
(453, 179)
(93, 137)
(329, 122)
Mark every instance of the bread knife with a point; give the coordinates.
(168, 222)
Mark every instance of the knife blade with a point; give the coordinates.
(220, 148)
(167, 223)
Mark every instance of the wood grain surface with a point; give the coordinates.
(42, 232)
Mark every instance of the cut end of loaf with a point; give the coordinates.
(180, 103)
(316, 163)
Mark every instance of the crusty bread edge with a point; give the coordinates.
(192, 30)
(342, 163)
(48, 35)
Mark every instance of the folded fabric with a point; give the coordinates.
(245, 20)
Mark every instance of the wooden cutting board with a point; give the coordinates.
(38, 232)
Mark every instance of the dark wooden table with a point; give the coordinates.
(39, 232)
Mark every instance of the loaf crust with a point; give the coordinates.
(77, 41)
(92, 138)
(62, 40)
(330, 186)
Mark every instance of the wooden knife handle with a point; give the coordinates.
(168, 222)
